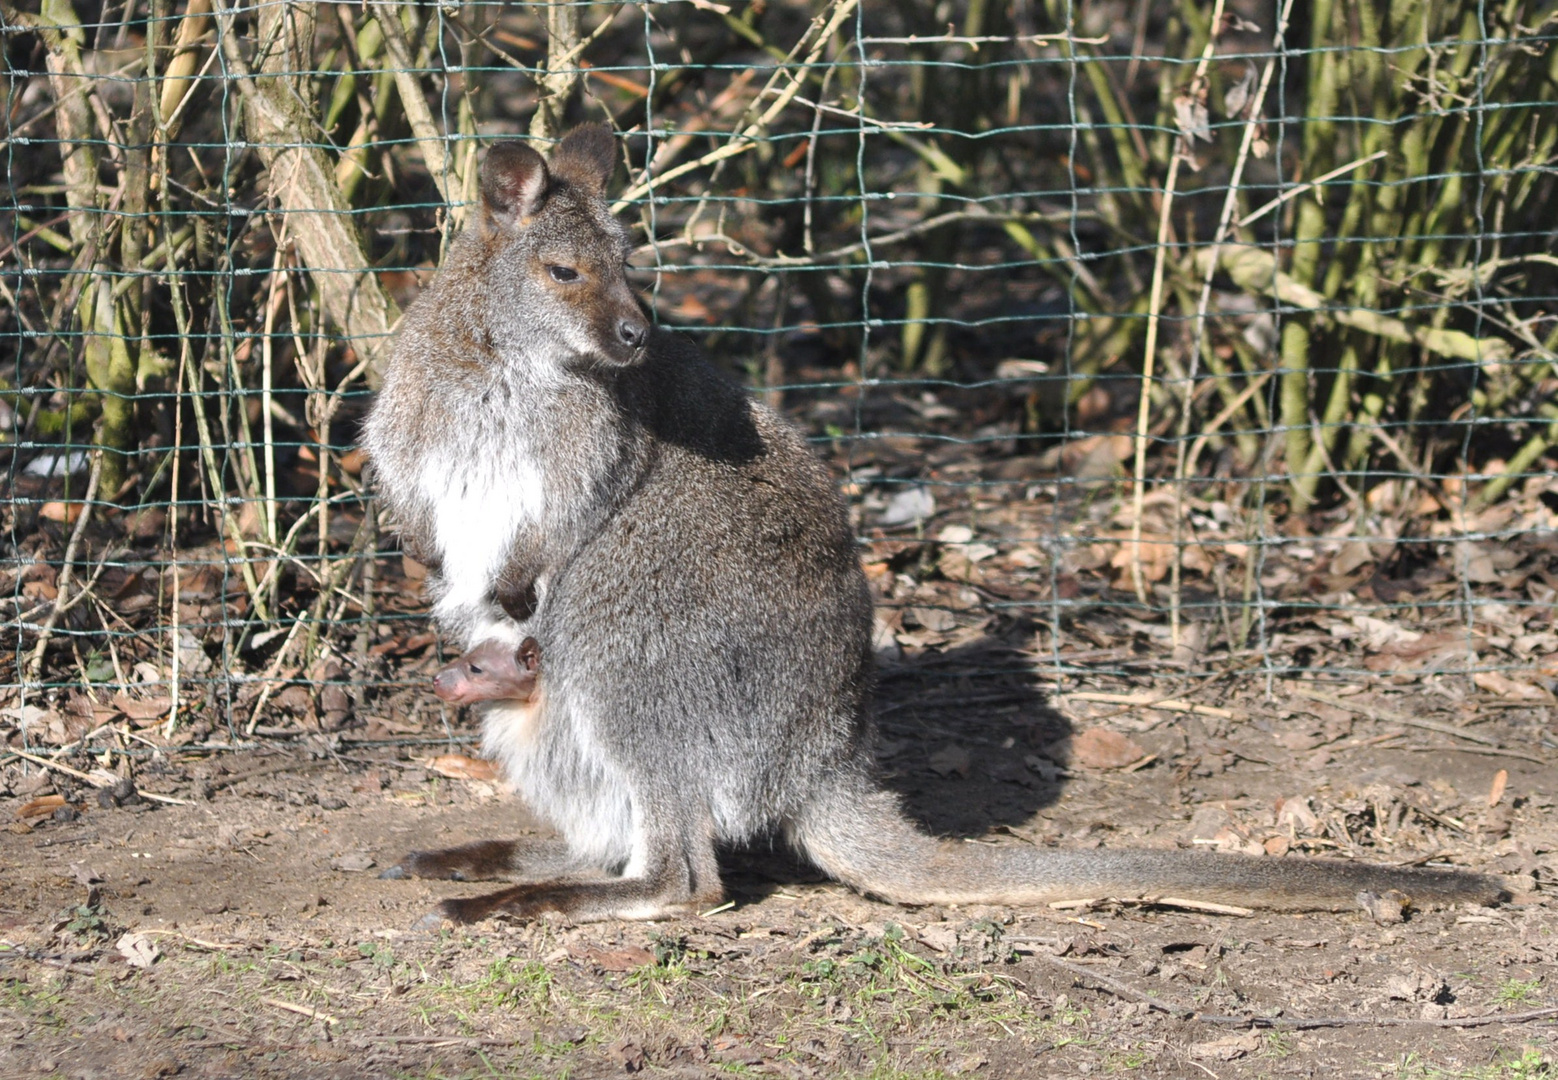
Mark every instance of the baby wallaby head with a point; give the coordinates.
(558, 257)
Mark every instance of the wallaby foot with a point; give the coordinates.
(583, 901)
(678, 874)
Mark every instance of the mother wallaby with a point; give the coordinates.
(573, 474)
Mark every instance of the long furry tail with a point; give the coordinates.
(859, 836)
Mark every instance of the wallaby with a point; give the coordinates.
(703, 614)
(492, 671)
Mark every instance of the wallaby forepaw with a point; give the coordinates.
(394, 873)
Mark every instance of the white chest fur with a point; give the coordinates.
(479, 504)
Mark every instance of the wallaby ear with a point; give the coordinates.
(513, 181)
(587, 157)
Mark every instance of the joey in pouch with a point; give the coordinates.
(492, 671)
(698, 598)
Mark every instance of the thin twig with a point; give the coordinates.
(35, 662)
(736, 247)
(747, 138)
(1148, 701)
(1154, 312)
(1114, 986)
(1373, 712)
(1293, 192)
(1230, 202)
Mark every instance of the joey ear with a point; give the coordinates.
(513, 181)
(587, 157)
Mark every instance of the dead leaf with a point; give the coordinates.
(911, 506)
(40, 590)
(1101, 748)
(1498, 683)
(1386, 908)
(1157, 555)
(140, 950)
(950, 759)
(27, 716)
(1299, 741)
(1234, 841)
(1354, 554)
(1238, 95)
(42, 806)
(1227, 1048)
(352, 862)
(1476, 563)
(1379, 634)
(628, 1054)
(936, 620)
(1443, 650)
(463, 767)
(1295, 813)
(85, 875)
(937, 936)
(61, 511)
(149, 709)
(1190, 114)
(629, 959)
(1496, 790)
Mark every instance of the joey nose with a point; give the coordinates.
(632, 332)
(446, 684)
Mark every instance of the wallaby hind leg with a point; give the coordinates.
(677, 873)
(485, 860)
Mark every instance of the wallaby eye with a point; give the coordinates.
(564, 274)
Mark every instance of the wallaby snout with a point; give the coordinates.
(633, 333)
(563, 253)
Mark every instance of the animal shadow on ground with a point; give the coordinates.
(955, 732)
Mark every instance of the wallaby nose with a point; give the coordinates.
(632, 332)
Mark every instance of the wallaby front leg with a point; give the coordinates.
(584, 901)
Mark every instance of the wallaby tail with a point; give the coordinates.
(858, 834)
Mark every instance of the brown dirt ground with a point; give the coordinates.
(274, 961)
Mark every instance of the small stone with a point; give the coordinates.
(352, 862)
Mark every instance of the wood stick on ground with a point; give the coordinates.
(1130, 993)
(1148, 701)
(95, 781)
(1373, 712)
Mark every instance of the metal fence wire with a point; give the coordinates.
(1148, 340)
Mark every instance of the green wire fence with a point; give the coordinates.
(1147, 340)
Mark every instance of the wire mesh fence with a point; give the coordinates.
(1147, 340)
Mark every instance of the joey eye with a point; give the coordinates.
(563, 274)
